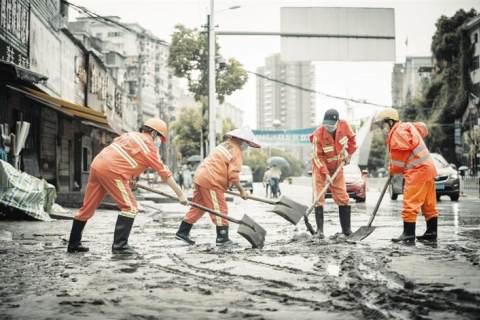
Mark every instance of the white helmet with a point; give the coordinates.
(244, 134)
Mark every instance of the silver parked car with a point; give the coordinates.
(447, 181)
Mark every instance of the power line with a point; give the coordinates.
(100, 18)
(316, 91)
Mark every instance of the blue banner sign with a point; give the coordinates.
(294, 137)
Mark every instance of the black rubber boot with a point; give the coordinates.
(344, 213)
(319, 220)
(183, 233)
(408, 235)
(222, 236)
(74, 243)
(431, 232)
(120, 237)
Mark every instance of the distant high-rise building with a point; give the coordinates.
(409, 79)
(280, 106)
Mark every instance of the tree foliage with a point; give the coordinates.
(447, 96)
(189, 59)
(187, 130)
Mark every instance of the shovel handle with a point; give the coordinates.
(325, 188)
(252, 197)
(379, 201)
(193, 204)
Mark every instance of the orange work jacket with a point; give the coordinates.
(221, 168)
(129, 155)
(327, 149)
(409, 156)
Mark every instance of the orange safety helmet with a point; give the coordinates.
(158, 125)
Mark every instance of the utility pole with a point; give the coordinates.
(212, 114)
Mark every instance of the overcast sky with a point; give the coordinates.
(414, 19)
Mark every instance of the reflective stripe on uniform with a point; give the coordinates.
(124, 155)
(343, 140)
(317, 161)
(332, 159)
(216, 207)
(397, 163)
(418, 161)
(328, 149)
(125, 196)
(225, 152)
(128, 214)
(140, 142)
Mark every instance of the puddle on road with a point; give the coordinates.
(333, 269)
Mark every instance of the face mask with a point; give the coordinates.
(330, 128)
(244, 146)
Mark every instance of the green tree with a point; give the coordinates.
(188, 58)
(186, 131)
(377, 151)
(446, 98)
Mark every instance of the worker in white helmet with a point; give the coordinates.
(218, 172)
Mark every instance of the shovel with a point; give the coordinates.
(322, 192)
(285, 207)
(365, 231)
(249, 229)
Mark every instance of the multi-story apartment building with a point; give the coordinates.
(280, 106)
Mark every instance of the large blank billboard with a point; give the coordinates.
(337, 34)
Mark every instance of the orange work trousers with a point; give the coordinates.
(419, 196)
(337, 188)
(212, 199)
(99, 184)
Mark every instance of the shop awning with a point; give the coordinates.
(66, 107)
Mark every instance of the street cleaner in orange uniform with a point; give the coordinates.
(111, 172)
(409, 156)
(218, 172)
(328, 142)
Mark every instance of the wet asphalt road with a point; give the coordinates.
(293, 277)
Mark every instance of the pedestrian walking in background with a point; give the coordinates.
(409, 156)
(179, 178)
(333, 143)
(187, 177)
(266, 182)
(218, 172)
(275, 175)
(111, 172)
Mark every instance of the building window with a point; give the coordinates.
(114, 34)
(476, 62)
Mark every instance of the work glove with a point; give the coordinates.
(244, 194)
(133, 184)
(183, 199)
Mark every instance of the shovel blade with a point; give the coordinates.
(361, 233)
(291, 215)
(252, 231)
(286, 201)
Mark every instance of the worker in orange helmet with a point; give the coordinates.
(333, 143)
(218, 172)
(409, 156)
(111, 172)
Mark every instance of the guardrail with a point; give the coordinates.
(470, 185)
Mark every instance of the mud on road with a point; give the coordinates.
(293, 277)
